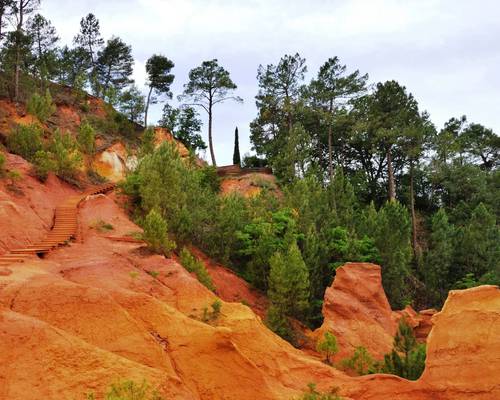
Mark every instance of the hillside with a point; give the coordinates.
(140, 316)
(117, 139)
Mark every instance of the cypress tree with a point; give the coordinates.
(236, 153)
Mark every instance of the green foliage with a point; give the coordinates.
(210, 316)
(130, 390)
(407, 358)
(185, 125)
(289, 282)
(2, 163)
(102, 226)
(147, 142)
(361, 361)
(65, 155)
(196, 266)
(392, 239)
(328, 346)
(41, 106)
(263, 237)
(236, 152)
(278, 323)
(158, 69)
(156, 233)
(313, 394)
(25, 140)
(132, 104)
(86, 138)
(439, 257)
(154, 274)
(478, 243)
(43, 164)
(113, 69)
(208, 85)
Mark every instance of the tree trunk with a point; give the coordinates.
(413, 216)
(18, 51)
(330, 144)
(390, 176)
(212, 154)
(147, 108)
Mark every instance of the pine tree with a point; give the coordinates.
(236, 152)
(158, 69)
(289, 282)
(45, 38)
(407, 358)
(392, 238)
(328, 346)
(478, 244)
(156, 233)
(439, 257)
(114, 67)
(209, 84)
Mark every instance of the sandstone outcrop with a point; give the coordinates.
(357, 312)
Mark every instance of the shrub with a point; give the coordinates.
(102, 226)
(156, 233)
(129, 390)
(154, 274)
(2, 163)
(361, 361)
(407, 358)
(67, 158)
(43, 164)
(214, 314)
(328, 346)
(278, 323)
(41, 106)
(192, 264)
(313, 394)
(25, 141)
(147, 142)
(86, 138)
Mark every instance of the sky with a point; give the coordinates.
(447, 53)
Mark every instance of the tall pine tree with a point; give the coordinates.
(439, 257)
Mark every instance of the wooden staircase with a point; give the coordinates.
(64, 229)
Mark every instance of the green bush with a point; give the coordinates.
(407, 358)
(214, 314)
(64, 151)
(41, 106)
(156, 233)
(328, 346)
(129, 390)
(43, 164)
(25, 140)
(361, 361)
(192, 264)
(2, 163)
(313, 394)
(86, 138)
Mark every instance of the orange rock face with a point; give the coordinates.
(357, 312)
(464, 345)
(248, 185)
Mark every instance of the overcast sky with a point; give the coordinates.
(447, 53)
